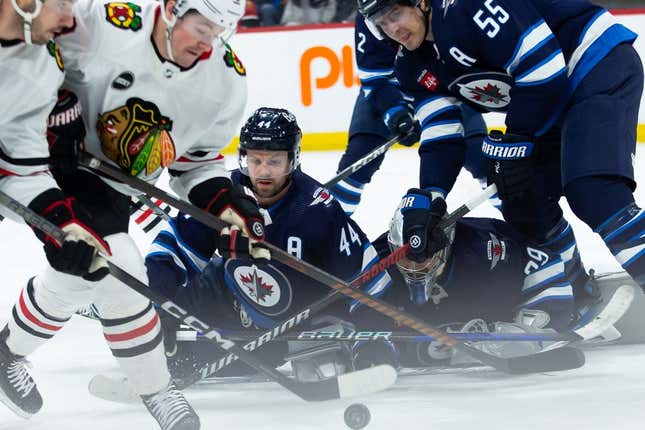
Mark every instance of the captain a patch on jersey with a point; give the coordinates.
(491, 91)
(262, 289)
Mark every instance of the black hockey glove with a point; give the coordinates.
(65, 132)
(234, 243)
(78, 254)
(510, 164)
(233, 204)
(421, 215)
(401, 122)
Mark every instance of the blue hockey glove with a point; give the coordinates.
(400, 121)
(421, 215)
(510, 164)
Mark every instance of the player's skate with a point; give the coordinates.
(17, 388)
(171, 410)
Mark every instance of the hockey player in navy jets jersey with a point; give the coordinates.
(381, 112)
(486, 277)
(302, 218)
(503, 56)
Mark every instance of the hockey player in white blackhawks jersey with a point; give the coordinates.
(159, 88)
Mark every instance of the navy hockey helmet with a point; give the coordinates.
(371, 9)
(420, 278)
(270, 129)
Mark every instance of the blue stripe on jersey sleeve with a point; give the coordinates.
(530, 42)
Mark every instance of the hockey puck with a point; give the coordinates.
(357, 416)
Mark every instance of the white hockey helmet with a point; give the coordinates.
(419, 277)
(226, 13)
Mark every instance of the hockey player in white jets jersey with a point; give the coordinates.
(159, 89)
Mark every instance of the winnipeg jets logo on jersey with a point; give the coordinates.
(137, 136)
(123, 15)
(321, 195)
(261, 288)
(495, 250)
(492, 91)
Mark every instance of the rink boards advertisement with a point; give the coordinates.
(311, 70)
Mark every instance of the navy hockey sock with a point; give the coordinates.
(624, 234)
(562, 241)
(596, 198)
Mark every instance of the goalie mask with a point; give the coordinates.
(420, 277)
(270, 129)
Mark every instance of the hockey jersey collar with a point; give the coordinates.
(205, 56)
(7, 43)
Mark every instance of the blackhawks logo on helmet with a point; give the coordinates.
(53, 50)
(232, 60)
(123, 15)
(137, 136)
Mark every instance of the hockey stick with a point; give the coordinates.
(355, 383)
(615, 308)
(557, 359)
(359, 164)
(299, 316)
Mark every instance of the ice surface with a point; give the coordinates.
(607, 393)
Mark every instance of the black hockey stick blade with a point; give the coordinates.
(565, 358)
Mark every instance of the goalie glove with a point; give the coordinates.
(65, 132)
(78, 255)
(510, 164)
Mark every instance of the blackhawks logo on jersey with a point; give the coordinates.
(232, 60)
(53, 50)
(137, 136)
(123, 15)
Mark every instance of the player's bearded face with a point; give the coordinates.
(268, 171)
(55, 16)
(403, 24)
(193, 36)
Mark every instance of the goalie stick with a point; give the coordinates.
(557, 359)
(616, 307)
(360, 382)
